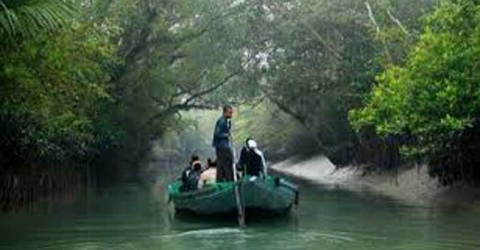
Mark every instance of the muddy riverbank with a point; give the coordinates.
(412, 185)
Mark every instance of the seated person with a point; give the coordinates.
(251, 161)
(191, 175)
(209, 175)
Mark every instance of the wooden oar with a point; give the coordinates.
(238, 194)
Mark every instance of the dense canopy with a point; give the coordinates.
(91, 86)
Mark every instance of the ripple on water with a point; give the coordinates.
(326, 220)
(215, 232)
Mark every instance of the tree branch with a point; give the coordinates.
(177, 108)
(301, 119)
(372, 17)
(395, 20)
(206, 28)
(188, 105)
(186, 91)
(377, 27)
(211, 89)
(313, 31)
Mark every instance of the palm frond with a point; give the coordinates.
(28, 18)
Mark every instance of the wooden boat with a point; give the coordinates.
(270, 194)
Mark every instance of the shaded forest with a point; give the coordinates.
(89, 86)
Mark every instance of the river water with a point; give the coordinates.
(327, 218)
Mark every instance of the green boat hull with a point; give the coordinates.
(268, 195)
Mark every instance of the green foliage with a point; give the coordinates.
(28, 18)
(102, 85)
(434, 98)
(52, 93)
(322, 61)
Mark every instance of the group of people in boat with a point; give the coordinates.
(250, 163)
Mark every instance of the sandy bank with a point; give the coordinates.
(412, 186)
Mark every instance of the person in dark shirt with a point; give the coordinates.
(222, 145)
(191, 175)
(252, 161)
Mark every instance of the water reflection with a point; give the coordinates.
(326, 219)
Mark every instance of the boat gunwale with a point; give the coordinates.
(222, 188)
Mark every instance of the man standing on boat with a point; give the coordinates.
(222, 145)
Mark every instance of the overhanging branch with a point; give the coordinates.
(211, 89)
(396, 21)
(189, 103)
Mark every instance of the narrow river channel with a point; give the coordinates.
(327, 218)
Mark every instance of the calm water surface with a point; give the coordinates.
(326, 219)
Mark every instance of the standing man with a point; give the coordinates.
(222, 145)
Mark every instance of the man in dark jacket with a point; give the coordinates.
(252, 161)
(191, 175)
(222, 145)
